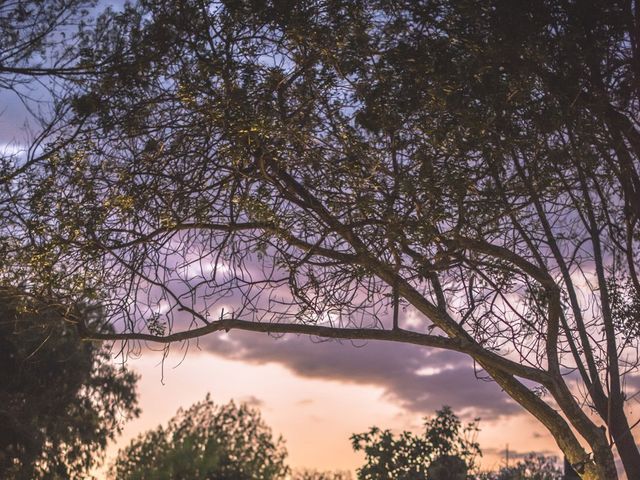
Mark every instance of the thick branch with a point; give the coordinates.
(397, 335)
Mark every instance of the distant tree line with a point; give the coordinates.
(231, 442)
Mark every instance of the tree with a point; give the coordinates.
(204, 442)
(532, 467)
(318, 164)
(316, 475)
(61, 400)
(445, 451)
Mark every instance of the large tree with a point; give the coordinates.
(61, 399)
(322, 165)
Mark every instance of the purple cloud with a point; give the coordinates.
(421, 380)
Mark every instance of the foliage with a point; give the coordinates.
(533, 467)
(61, 399)
(40, 38)
(320, 165)
(205, 441)
(445, 444)
(625, 306)
(43, 46)
(316, 475)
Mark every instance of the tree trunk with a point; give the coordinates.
(626, 445)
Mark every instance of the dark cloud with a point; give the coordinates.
(421, 380)
(632, 384)
(252, 401)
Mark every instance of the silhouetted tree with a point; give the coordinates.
(446, 449)
(532, 467)
(205, 442)
(448, 467)
(318, 475)
(61, 398)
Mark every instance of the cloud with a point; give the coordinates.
(15, 120)
(420, 379)
(252, 401)
(632, 384)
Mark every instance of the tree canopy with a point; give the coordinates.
(319, 166)
(205, 442)
(61, 399)
(446, 450)
(41, 39)
(307, 474)
(532, 467)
